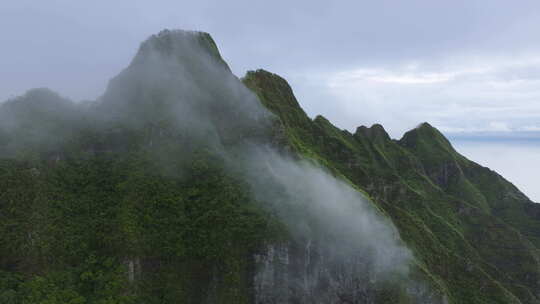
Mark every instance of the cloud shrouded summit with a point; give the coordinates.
(178, 92)
(179, 164)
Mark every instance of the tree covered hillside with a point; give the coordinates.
(185, 184)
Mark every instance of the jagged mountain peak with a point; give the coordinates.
(375, 132)
(275, 94)
(261, 77)
(426, 134)
(179, 44)
(173, 73)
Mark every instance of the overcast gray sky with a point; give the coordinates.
(470, 68)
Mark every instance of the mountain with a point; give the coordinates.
(185, 184)
(472, 230)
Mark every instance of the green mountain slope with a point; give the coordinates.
(163, 191)
(471, 229)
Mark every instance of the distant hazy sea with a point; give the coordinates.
(516, 160)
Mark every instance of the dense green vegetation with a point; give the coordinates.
(472, 231)
(104, 211)
(71, 229)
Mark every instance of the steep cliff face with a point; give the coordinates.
(309, 272)
(183, 184)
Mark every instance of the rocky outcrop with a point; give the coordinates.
(306, 272)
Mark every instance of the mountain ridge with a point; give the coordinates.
(420, 141)
(104, 216)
